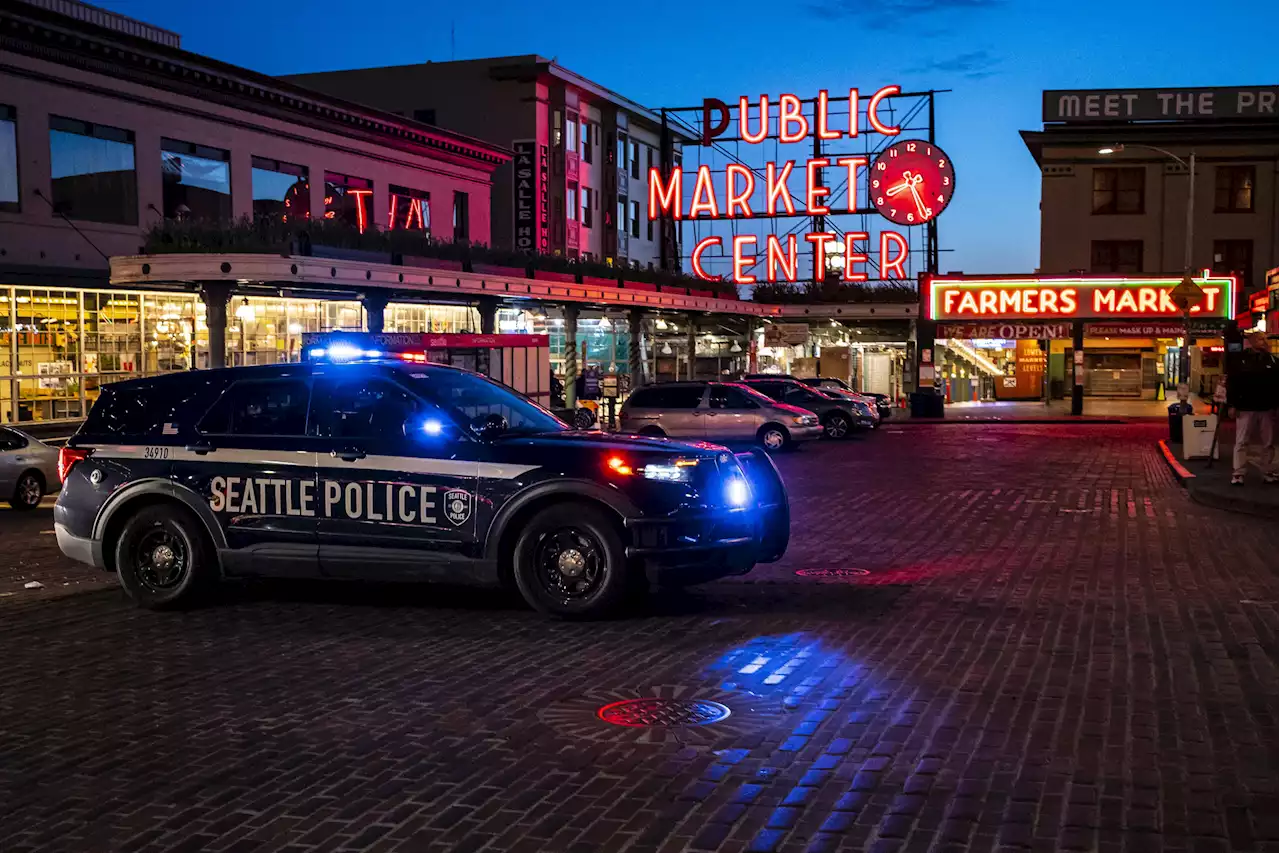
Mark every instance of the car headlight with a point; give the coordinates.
(805, 420)
(679, 471)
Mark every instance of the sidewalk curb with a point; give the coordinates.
(961, 422)
(1179, 470)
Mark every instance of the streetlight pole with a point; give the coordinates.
(1184, 356)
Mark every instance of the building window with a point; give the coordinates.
(648, 229)
(571, 132)
(425, 116)
(281, 190)
(557, 128)
(571, 202)
(634, 162)
(1118, 190)
(635, 219)
(93, 171)
(586, 142)
(461, 216)
(1235, 256)
(622, 214)
(10, 200)
(586, 206)
(1233, 189)
(1116, 256)
(408, 209)
(622, 152)
(346, 199)
(196, 181)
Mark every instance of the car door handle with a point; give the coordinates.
(350, 454)
(200, 449)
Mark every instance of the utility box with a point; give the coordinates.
(1197, 436)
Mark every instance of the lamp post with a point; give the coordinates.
(1187, 294)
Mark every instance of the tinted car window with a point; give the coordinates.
(361, 408)
(146, 409)
(770, 389)
(260, 407)
(672, 397)
(10, 440)
(797, 395)
(727, 397)
(467, 397)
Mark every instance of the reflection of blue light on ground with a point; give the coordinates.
(771, 662)
(754, 666)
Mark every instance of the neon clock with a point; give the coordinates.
(912, 182)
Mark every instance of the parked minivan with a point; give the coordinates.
(716, 411)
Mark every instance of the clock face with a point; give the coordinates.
(912, 182)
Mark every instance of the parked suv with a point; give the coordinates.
(716, 411)
(839, 417)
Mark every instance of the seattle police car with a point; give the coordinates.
(378, 468)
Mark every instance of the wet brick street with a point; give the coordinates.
(1051, 648)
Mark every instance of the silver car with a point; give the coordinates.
(716, 411)
(28, 469)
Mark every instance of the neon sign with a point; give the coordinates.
(909, 197)
(1129, 297)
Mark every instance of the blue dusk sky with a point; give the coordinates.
(996, 55)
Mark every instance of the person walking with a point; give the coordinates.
(1253, 394)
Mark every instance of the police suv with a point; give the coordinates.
(377, 468)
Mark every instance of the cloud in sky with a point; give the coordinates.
(974, 65)
(885, 13)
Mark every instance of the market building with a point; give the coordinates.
(578, 184)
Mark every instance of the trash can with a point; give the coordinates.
(926, 404)
(1176, 411)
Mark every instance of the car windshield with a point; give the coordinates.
(466, 396)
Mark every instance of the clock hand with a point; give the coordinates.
(908, 180)
(919, 203)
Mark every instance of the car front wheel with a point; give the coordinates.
(163, 558)
(570, 563)
(27, 492)
(837, 426)
(774, 437)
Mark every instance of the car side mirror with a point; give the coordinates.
(488, 427)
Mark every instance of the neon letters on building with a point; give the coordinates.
(787, 188)
(1131, 297)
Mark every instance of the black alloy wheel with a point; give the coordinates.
(570, 562)
(837, 426)
(28, 492)
(164, 558)
(161, 559)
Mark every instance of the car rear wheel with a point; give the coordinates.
(27, 492)
(570, 563)
(774, 437)
(164, 560)
(837, 426)
(653, 432)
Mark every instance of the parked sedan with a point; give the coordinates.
(716, 411)
(828, 383)
(840, 417)
(28, 469)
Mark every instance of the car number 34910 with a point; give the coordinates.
(155, 453)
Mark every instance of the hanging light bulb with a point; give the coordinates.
(661, 323)
(666, 348)
(244, 311)
(736, 346)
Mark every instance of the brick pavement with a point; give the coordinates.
(1052, 649)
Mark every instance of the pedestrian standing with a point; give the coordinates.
(1253, 394)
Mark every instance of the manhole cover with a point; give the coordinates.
(831, 573)
(663, 713)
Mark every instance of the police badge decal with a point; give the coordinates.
(457, 506)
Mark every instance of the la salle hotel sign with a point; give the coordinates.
(909, 182)
(1043, 298)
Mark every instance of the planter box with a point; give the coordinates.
(548, 275)
(596, 281)
(639, 285)
(706, 294)
(429, 263)
(667, 288)
(336, 254)
(493, 269)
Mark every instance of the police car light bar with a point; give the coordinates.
(343, 352)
